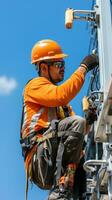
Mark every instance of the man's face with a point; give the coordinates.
(57, 69)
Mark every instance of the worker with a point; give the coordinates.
(51, 133)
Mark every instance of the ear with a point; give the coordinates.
(44, 67)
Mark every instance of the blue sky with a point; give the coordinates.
(22, 23)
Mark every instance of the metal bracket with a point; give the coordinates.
(86, 15)
(88, 165)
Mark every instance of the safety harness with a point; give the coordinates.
(28, 143)
(33, 138)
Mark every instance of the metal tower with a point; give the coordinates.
(100, 16)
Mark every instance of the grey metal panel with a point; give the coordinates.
(105, 58)
(105, 118)
(105, 44)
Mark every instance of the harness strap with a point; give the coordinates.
(30, 141)
(59, 161)
(26, 188)
(28, 173)
(52, 134)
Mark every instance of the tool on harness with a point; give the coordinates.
(63, 111)
(90, 109)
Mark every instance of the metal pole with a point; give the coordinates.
(105, 43)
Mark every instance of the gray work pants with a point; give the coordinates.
(44, 161)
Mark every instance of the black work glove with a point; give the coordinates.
(91, 61)
(91, 116)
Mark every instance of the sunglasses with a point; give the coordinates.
(57, 64)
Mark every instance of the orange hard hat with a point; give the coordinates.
(46, 50)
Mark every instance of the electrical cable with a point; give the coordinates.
(93, 44)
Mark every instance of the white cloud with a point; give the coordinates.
(7, 85)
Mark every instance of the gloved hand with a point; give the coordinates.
(91, 61)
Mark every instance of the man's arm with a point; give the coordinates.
(43, 92)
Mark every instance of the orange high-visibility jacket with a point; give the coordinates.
(41, 97)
